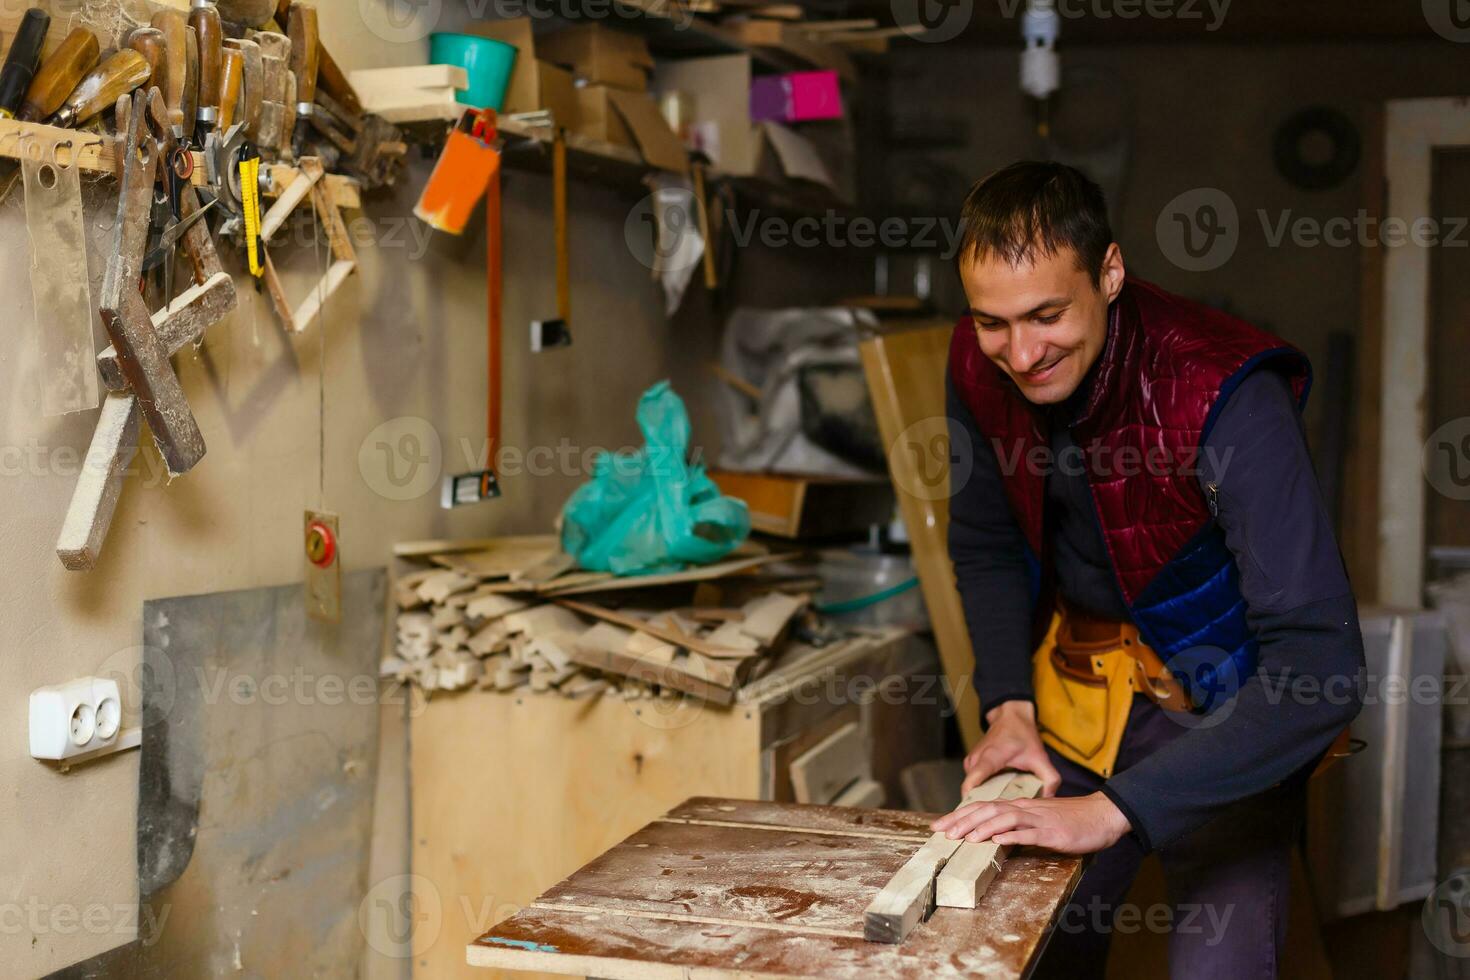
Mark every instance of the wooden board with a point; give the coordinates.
(825, 770)
(779, 897)
(903, 824)
(865, 793)
(767, 876)
(799, 507)
(905, 372)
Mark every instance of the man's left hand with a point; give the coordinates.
(1067, 825)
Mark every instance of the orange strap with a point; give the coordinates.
(493, 294)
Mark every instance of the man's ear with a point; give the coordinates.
(1113, 273)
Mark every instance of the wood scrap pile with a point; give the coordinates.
(507, 613)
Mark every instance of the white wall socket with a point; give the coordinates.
(75, 718)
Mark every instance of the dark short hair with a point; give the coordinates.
(1035, 206)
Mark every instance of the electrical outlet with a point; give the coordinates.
(79, 717)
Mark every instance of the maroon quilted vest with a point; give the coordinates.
(1166, 369)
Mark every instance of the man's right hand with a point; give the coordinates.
(1012, 742)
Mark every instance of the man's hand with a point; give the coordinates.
(1067, 825)
(1011, 743)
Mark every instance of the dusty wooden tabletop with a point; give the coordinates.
(734, 888)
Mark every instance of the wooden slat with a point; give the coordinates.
(974, 866)
(905, 372)
(906, 899)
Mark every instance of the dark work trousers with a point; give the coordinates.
(1229, 882)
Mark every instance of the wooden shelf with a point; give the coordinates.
(98, 153)
(623, 168)
(693, 36)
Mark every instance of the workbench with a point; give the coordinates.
(512, 792)
(723, 888)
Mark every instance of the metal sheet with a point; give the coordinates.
(256, 784)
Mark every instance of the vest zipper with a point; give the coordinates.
(1212, 498)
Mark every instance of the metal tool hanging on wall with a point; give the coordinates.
(558, 332)
(136, 367)
(467, 170)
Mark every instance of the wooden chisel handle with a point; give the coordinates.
(149, 42)
(191, 85)
(204, 19)
(22, 59)
(176, 56)
(232, 74)
(252, 84)
(59, 74)
(118, 75)
(305, 54)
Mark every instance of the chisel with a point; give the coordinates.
(252, 84)
(175, 28)
(331, 79)
(191, 87)
(204, 19)
(305, 60)
(52, 82)
(117, 76)
(59, 75)
(21, 60)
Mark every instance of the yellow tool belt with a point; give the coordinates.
(1085, 674)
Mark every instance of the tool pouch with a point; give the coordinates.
(1085, 673)
(1082, 700)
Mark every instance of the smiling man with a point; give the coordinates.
(1147, 572)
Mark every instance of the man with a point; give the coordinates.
(1147, 572)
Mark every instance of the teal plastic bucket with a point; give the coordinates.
(487, 62)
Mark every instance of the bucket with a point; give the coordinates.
(487, 62)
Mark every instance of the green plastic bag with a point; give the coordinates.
(651, 510)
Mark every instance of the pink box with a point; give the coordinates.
(796, 96)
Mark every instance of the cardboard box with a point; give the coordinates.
(601, 55)
(626, 118)
(598, 119)
(534, 83)
(720, 89)
(557, 91)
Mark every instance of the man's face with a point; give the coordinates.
(1042, 322)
